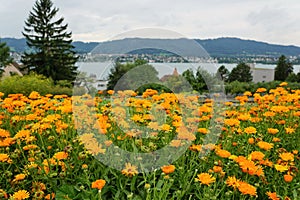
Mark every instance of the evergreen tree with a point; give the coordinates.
(51, 46)
(241, 73)
(223, 72)
(283, 69)
(5, 58)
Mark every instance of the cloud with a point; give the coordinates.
(98, 20)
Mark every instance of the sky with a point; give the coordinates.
(272, 21)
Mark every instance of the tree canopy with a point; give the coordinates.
(283, 69)
(241, 73)
(51, 52)
(131, 76)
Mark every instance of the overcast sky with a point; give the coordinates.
(273, 21)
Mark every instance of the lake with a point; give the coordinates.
(102, 69)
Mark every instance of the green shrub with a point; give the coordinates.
(32, 82)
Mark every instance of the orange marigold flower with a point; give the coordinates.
(168, 169)
(250, 130)
(5, 158)
(269, 114)
(21, 194)
(257, 155)
(60, 155)
(289, 130)
(246, 188)
(19, 177)
(259, 90)
(203, 130)
(283, 84)
(205, 178)
(98, 184)
(217, 169)
(233, 182)
(196, 147)
(251, 140)
(288, 178)
(273, 130)
(130, 170)
(232, 122)
(272, 196)
(265, 145)
(275, 139)
(110, 92)
(287, 156)
(223, 153)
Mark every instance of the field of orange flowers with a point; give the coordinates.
(59, 147)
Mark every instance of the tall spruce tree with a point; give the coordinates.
(51, 50)
(283, 69)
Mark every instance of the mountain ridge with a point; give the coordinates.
(217, 47)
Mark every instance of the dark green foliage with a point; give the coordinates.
(223, 73)
(131, 76)
(293, 77)
(237, 87)
(283, 69)
(51, 52)
(200, 81)
(5, 58)
(32, 82)
(240, 73)
(155, 86)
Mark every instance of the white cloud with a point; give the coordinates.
(98, 20)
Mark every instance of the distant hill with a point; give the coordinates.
(227, 47)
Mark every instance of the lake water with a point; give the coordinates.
(102, 69)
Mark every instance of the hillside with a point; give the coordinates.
(227, 47)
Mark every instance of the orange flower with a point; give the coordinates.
(196, 147)
(251, 141)
(19, 177)
(287, 156)
(265, 145)
(223, 153)
(60, 155)
(259, 90)
(98, 184)
(257, 155)
(273, 130)
(233, 182)
(250, 130)
(21, 194)
(130, 170)
(288, 178)
(168, 169)
(232, 122)
(217, 169)
(246, 188)
(273, 196)
(205, 178)
(289, 130)
(202, 130)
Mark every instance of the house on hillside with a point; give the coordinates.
(166, 77)
(261, 74)
(12, 69)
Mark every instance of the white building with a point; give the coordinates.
(261, 74)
